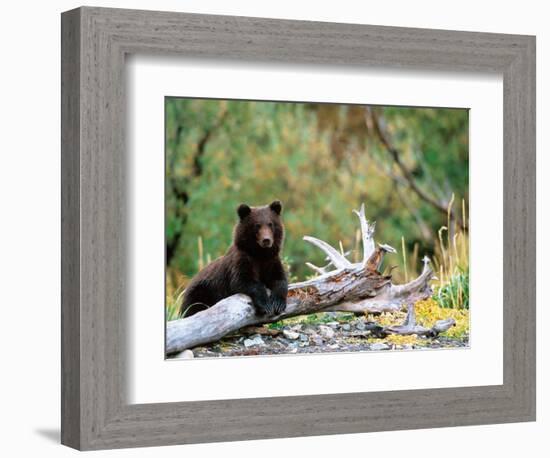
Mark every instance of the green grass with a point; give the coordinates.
(173, 304)
(455, 293)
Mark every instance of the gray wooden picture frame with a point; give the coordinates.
(95, 41)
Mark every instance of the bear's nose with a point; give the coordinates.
(266, 242)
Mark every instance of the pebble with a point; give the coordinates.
(346, 327)
(326, 331)
(257, 340)
(379, 346)
(304, 338)
(360, 325)
(292, 335)
(317, 340)
(333, 324)
(359, 333)
(185, 354)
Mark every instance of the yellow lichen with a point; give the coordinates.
(428, 312)
(402, 340)
(387, 318)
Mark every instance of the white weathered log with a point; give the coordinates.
(389, 299)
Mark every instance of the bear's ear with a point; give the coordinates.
(276, 206)
(243, 211)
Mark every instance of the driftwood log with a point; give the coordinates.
(348, 287)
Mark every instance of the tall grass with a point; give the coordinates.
(173, 304)
(450, 261)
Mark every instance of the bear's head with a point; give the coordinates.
(260, 230)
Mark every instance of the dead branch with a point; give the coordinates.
(410, 327)
(375, 123)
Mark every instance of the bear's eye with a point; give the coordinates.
(258, 226)
(270, 225)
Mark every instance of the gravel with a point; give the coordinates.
(321, 337)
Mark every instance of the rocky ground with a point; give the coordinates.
(330, 332)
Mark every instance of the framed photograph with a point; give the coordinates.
(278, 228)
(317, 158)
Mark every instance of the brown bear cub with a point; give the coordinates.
(251, 266)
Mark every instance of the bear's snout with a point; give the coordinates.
(265, 237)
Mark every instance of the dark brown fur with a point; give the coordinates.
(251, 266)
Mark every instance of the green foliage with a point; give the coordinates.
(287, 263)
(455, 293)
(321, 160)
